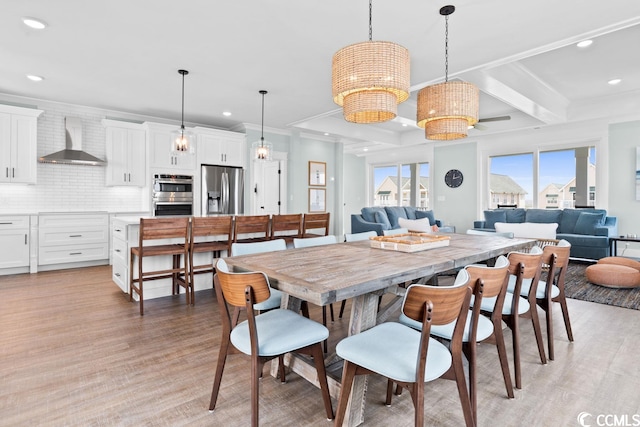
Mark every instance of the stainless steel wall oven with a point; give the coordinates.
(172, 195)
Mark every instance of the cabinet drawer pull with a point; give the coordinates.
(117, 250)
(25, 239)
(75, 253)
(6, 223)
(75, 235)
(117, 275)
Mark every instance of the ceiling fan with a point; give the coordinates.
(490, 119)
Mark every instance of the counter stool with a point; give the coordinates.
(152, 230)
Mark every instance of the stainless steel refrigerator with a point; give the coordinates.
(222, 190)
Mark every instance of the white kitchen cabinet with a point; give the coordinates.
(73, 239)
(217, 147)
(161, 155)
(126, 154)
(14, 250)
(18, 144)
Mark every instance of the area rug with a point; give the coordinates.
(577, 287)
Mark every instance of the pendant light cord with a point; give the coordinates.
(370, 26)
(446, 48)
(262, 128)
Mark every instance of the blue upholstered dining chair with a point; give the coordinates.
(356, 237)
(265, 336)
(408, 357)
(555, 261)
(259, 247)
(524, 270)
(486, 282)
(319, 241)
(507, 234)
(394, 231)
(314, 241)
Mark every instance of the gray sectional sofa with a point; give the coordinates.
(588, 230)
(380, 218)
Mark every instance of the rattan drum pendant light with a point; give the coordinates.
(370, 79)
(446, 110)
(182, 139)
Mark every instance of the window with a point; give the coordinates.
(557, 186)
(401, 185)
(570, 174)
(511, 177)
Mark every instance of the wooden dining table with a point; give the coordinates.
(331, 273)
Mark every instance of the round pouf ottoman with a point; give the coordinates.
(618, 260)
(613, 275)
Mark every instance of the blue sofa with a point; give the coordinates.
(588, 230)
(380, 218)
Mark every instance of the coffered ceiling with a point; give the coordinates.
(124, 55)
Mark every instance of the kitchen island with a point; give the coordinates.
(125, 236)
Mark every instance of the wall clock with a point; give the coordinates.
(453, 178)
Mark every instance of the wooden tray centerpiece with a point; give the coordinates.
(409, 242)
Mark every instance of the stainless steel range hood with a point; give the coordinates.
(73, 154)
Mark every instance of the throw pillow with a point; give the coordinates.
(491, 217)
(568, 221)
(381, 218)
(587, 222)
(426, 214)
(528, 229)
(417, 225)
(515, 215)
(369, 213)
(395, 212)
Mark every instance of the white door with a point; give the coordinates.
(267, 187)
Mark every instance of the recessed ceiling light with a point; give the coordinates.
(35, 78)
(584, 43)
(365, 149)
(34, 23)
(614, 81)
(326, 134)
(226, 113)
(404, 125)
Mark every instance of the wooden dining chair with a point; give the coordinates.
(153, 236)
(255, 225)
(319, 241)
(314, 222)
(357, 237)
(408, 357)
(238, 249)
(286, 226)
(555, 261)
(524, 270)
(207, 235)
(263, 337)
(487, 283)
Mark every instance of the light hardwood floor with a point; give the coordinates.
(75, 352)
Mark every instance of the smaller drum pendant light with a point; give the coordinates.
(446, 110)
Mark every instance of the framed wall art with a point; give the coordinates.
(317, 199)
(317, 174)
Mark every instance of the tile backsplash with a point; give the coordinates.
(62, 188)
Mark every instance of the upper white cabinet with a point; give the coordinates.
(126, 153)
(161, 155)
(218, 147)
(18, 144)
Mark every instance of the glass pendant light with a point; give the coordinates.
(182, 139)
(262, 150)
